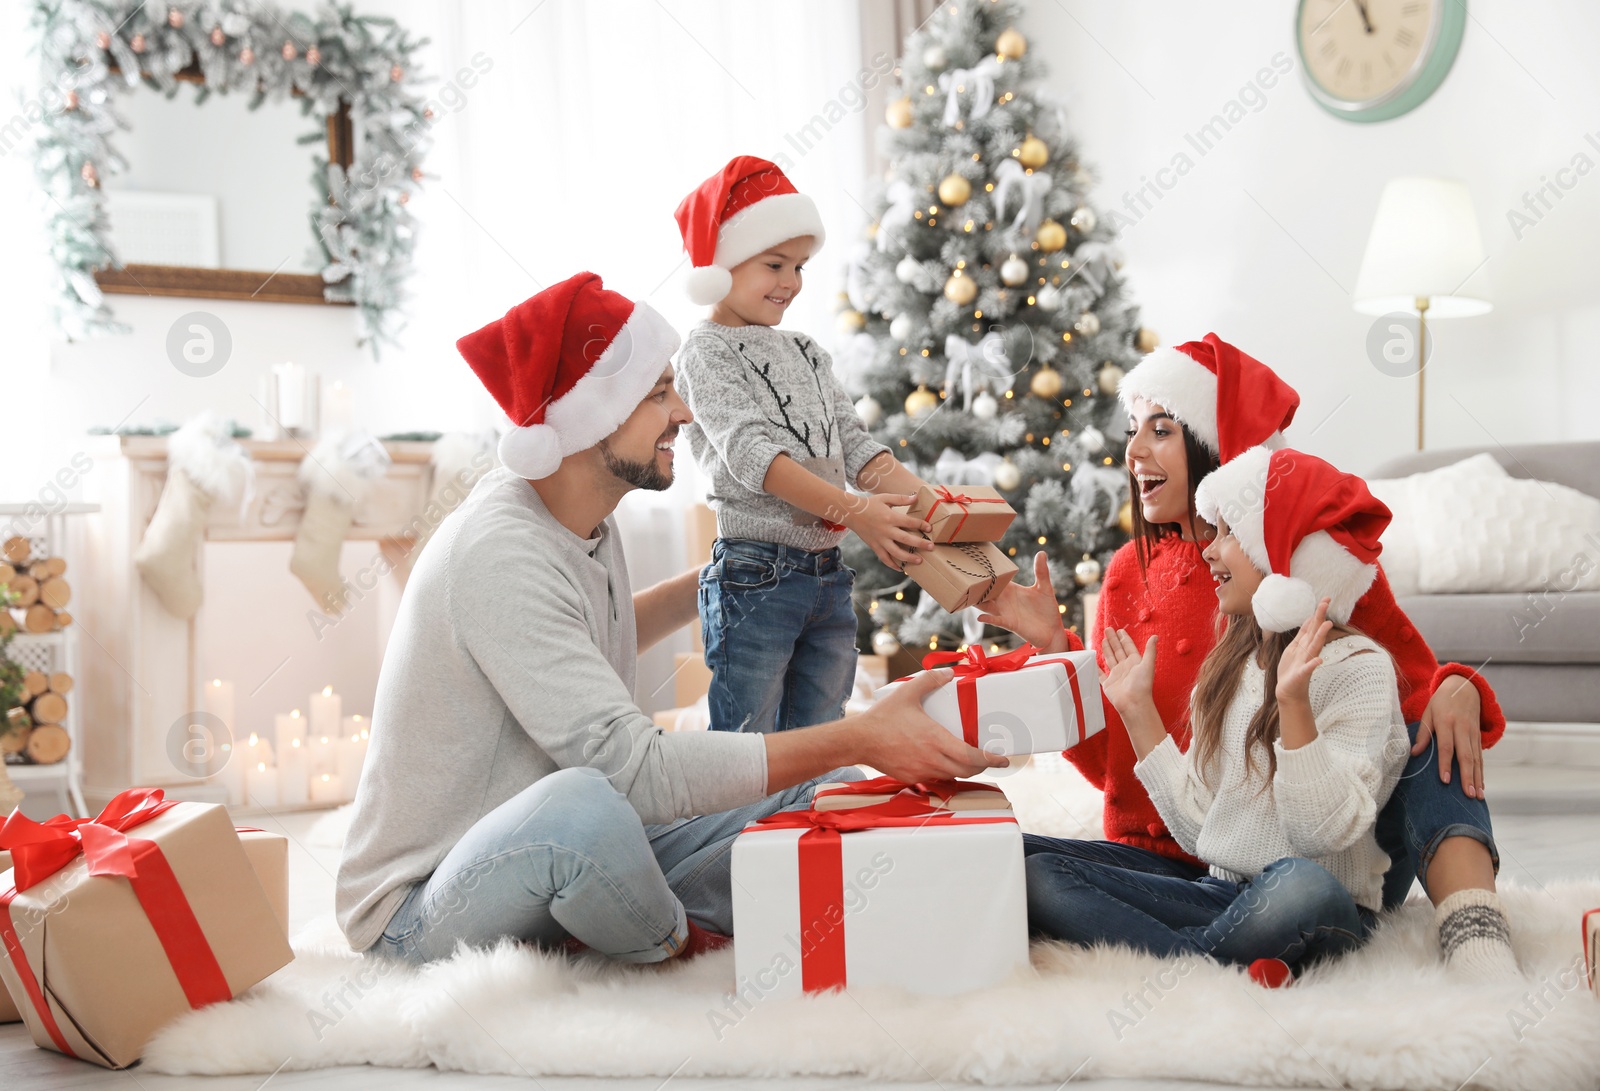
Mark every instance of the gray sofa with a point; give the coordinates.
(1548, 671)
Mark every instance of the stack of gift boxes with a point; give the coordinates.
(114, 926)
(965, 567)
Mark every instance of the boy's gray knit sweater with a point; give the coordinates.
(757, 392)
(512, 656)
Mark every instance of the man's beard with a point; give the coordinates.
(641, 475)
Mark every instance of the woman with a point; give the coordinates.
(1190, 409)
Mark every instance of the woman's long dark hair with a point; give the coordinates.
(1200, 462)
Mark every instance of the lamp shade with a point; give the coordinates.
(1424, 242)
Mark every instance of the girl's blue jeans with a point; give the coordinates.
(780, 635)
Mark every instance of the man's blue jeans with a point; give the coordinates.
(1295, 910)
(780, 635)
(568, 857)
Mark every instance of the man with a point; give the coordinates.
(513, 788)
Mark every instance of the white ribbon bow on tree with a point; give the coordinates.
(856, 276)
(954, 469)
(853, 361)
(978, 80)
(1030, 191)
(1090, 483)
(902, 203)
(987, 358)
(1095, 263)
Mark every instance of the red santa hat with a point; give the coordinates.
(1311, 528)
(746, 207)
(1229, 401)
(568, 366)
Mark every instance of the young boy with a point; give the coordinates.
(780, 440)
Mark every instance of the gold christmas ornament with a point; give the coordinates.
(1125, 517)
(1108, 378)
(1084, 219)
(1051, 236)
(1088, 324)
(1046, 382)
(920, 401)
(852, 321)
(1033, 153)
(960, 290)
(954, 190)
(898, 115)
(1011, 44)
(1146, 340)
(1006, 476)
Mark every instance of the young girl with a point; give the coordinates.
(1297, 741)
(1191, 408)
(780, 440)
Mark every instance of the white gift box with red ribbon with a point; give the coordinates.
(899, 894)
(1021, 702)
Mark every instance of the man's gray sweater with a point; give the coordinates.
(513, 655)
(758, 392)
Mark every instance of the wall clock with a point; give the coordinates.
(1371, 60)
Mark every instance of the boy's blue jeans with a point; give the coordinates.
(568, 856)
(780, 635)
(1294, 910)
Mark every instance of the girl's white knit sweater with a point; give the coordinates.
(1323, 802)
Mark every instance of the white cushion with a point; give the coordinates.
(1478, 531)
(1402, 553)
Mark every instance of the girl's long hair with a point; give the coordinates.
(1200, 462)
(1240, 639)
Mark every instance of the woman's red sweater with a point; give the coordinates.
(1176, 600)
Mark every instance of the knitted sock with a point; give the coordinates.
(701, 941)
(1474, 936)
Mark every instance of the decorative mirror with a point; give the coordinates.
(203, 208)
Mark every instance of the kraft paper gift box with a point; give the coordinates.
(268, 854)
(8, 1006)
(895, 895)
(1591, 948)
(944, 795)
(962, 574)
(970, 513)
(126, 921)
(1017, 703)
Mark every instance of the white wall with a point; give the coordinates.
(1262, 239)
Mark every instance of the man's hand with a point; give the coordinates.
(1453, 717)
(1030, 612)
(881, 521)
(900, 739)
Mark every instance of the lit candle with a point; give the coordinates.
(287, 727)
(261, 785)
(338, 408)
(291, 395)
(294, 774)
(324, 754)
(245, 755)
(325, 709)
(353, 745)
(327, 788)
(219, 703)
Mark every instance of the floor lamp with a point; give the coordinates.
(1424, 249)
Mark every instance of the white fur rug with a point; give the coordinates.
(1386, 1017)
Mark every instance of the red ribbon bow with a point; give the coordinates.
(923, 791)
(974, 663)
(961, 500)
(820, 857)
(40, 849)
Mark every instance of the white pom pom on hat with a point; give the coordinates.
(1282, 604)
(708, 285)
(533, 452)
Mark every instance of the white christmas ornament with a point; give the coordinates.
(885, 643)
(908, 268)
(1014, 271)
(935, 57)
(1084, 219)
(1049, 297)
(1093, 440)
(869, 411)
(984, 406)
(900, 329)
(1007, 476)
(1088, 324)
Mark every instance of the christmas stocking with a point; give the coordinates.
(337, 475)
(204, 465)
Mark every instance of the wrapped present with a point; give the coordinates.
(1021, 702)
(115, 925)
(944, 795)
(268, 854)
(8, 1006)
(971, 513)
(963, 574)
(1591, 948)
(899, 894)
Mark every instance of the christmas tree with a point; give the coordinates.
(987, 323)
